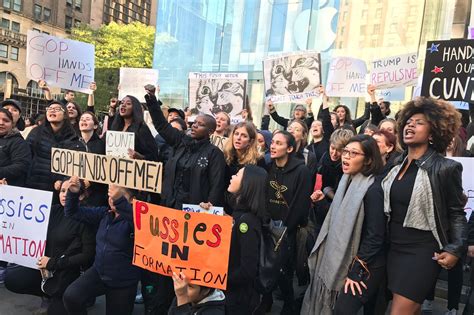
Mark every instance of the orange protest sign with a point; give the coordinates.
(169, 240)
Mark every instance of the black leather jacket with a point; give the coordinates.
(446, 183)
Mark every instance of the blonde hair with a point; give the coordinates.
(251, 154)
(340, 137)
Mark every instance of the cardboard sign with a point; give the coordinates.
(105, 169)
(117, 143)
(448, 70)
(218, 141)
(347, 77)
(133, 81)
(292, 77)
(64, 63)
(467, 182)
(24, 218)
(169, 240)
(210, 93)
(394, 71)
(199, 209)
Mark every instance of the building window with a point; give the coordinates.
(14, 53)
(376, 28)
(278, 25)
(363, 29)
(68, 23)
(78, 5)
(16, 27)
(250, 26)
(46, 14)
(17, 5)
(38, 11)
(5, 24)
(77, 23)
(3, 51)
(7, 4)
(69, 3)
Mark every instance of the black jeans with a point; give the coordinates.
(455, 279)
(23, 280)
(118, 301)
(349, 304)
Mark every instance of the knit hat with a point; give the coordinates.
(10, 101)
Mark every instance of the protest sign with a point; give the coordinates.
(24, 218)
(199, 209)
(448, 70)
(169, 240)
(105, 169)
(467, 182)
(117, 143)
(292, 77)
(64, 63)
(394, 71)
(210, 93)
(393, 94)
(218, 141)
(133, 81)
(347, 77)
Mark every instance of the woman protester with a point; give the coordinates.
(14, 107)
(424, 201)
(348, 260)
(69, 245)
(222, 124)
(388, 147)
(15, 155)
(195, 172)
(299, 130)
(56, 132)
(130, 119)
(344, 119)
(248, 189)
(112, 273)
(96, 193)
(288, 203)
(264, 140)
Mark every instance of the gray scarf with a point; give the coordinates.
(337, 245)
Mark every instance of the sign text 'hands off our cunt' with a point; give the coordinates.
(24, 218)
(169, 240)
(65, 63)
(105, 169)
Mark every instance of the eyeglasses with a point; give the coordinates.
(54, 109)
(352, 154)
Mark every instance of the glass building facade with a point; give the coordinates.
(236, 35)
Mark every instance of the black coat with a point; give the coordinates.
(446, 183)
(15, 158)
(288, 193)
(241, 294)
(373, 234)
(114, 239)
(41, 140)
(284, 122)
(96, 192)
(195, 172)
(207, 308)
(331, 172)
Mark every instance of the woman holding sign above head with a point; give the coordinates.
(130, 119)
(248, 188)
(69, 246)
(112, 273)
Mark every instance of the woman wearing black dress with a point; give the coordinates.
(423, 199)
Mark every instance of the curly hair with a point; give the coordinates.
(251, 154)
(442, 116)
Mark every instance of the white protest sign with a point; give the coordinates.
(393, 94)
(347, 77)
(199, 209)
(24, 218)
(394, 71)
(117, 143)
(467, 182)
(133, 81)
(213, 92)
(64, 63)
(292, 77)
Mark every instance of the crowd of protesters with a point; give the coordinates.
(373, 207)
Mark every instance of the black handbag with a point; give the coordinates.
(274, 251)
